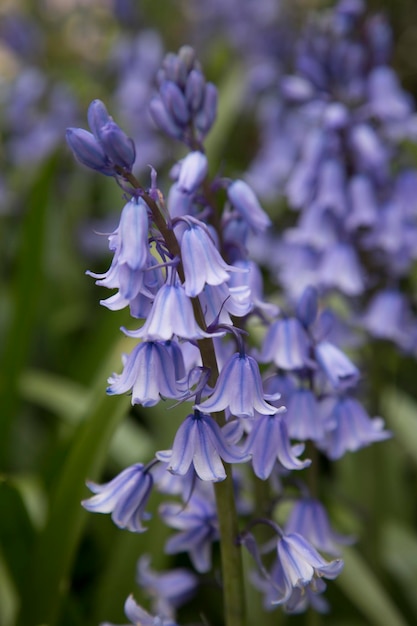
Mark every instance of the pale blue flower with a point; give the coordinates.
(309, 518)
(171, 314)
(287, 345)
(268, 442)
(200, 441)
(239, 388)
(198, 526)
(244, 200)
(350, 427)
(202, 262)
(303, 417)
(193, 171)
(125, 497)
(149, 372)
(337, 367)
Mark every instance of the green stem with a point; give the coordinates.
(231, 556)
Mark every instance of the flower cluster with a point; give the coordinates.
(181, 265)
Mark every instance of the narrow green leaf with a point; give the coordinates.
(8, 595)
(399, 553)
(28, 287)
(400, 411)
(366, 592)
(58, 542)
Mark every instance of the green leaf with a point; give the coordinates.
(400, 412)
(366, 592)
(8, 595)
(399, 554)
(55, 550)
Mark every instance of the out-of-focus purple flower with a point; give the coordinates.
(244, 200)
(307, 306)
(287, 345)
(200, 441)
(125, 497)
(350, 427)
(389, 317)
(149, 372)
(239, 388)
(193, 171)
(140, 617)
(107, 147)
(168, 590)
(198, 526)
(309, 518)
(303, 417)
(268, 442)
(337, 367)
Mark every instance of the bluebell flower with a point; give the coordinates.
(340, 269)
(302, 566)
(238, 388)
(149, 372)
(198, 526)
(171, 314)
(309, 518)
(389, 316)
(132, 245)
(219, 302)
(268, 442)
(303, 417)
(350, 427)
(336, 366)
(168, 590)
(193, 171)
(244, 200)
(287, 345)
(307, 306)
(200, 441)
(88, 151)
(202, 262)
(125, 497)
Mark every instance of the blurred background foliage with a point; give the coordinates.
(58, 564)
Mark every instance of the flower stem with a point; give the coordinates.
(231, 555)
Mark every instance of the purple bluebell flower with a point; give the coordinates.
(200, 441)
(336, 366)
(309, 518)
(168, 590)
(193, 171)
(303, 416)
(171, 314)
(219, 302)
(389, 316)
(302, 566)
(244, 200)
(125, 497)
(202, 262)
(350, 427)
(268, 442)
(307, 306)
(239, 388)
(287, 345)
(88, 151)
(149, 372)
(198, 526)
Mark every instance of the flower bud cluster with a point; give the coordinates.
(186, 104)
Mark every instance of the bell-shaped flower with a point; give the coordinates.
(307, 306)
(303, 417)
(239, 388)
(219, 302)
(132, 232)
(193, 171)
(302, 566)
(268, 442)
(287, 345)
(198, 526)
(337, 367)
(200, 441)
(202, 262)
(149, 372)
(125, 497)
(309, 518)
(340, 269)
(350, 428)
(244, 200)
(171, 314)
